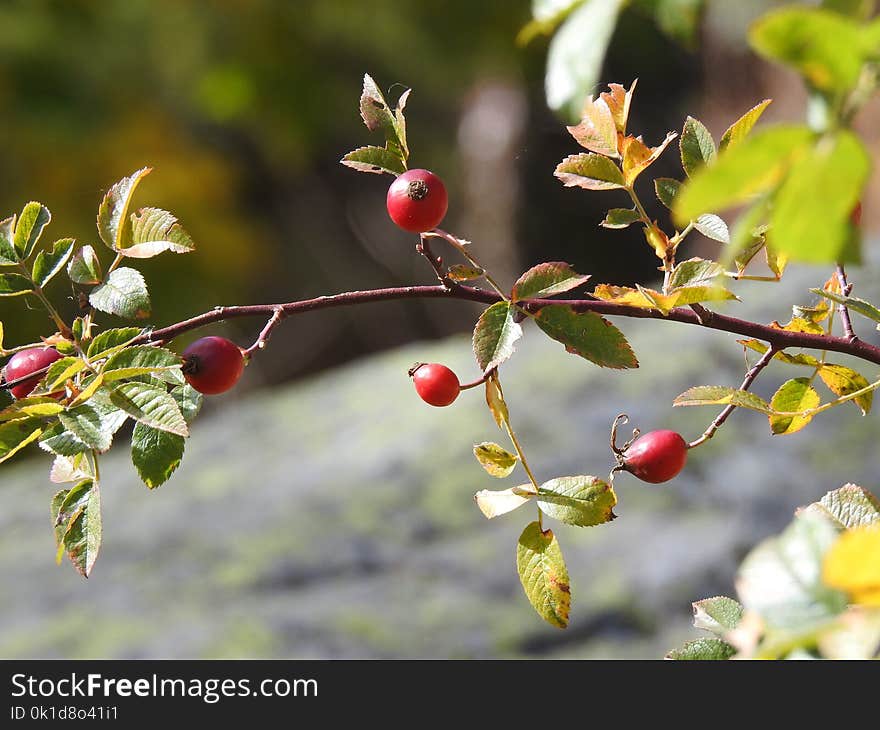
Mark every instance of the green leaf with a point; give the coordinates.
(155, 454)
(374, 159)
(82, 538)
(124, 293)
(597, 131)
(587, 334)
(781, 579)
(65, 505)
(28, 228)
(139, 360)
(576, 54)
(718, 615)
(60, 370)
(47, 264)
(719, 395)
(842, 381)
(712, 226)
(377, 115)
(810, 218)
(754, 166)
(547, 280)
(58, 440)
(39, 406)
(589, 171)
(151, 406)
(543, 574)
(666, 188)
(793, 396)
(620, 218)
(111, 341)
(703, 649)
(848, 507)
(696, 146)
(12, 285)
(154, 231)
(8, 255)
(15, 435)
(89, 425)
(463, 272)
(189, 400)
(495, 503)
(696, 272)
(497, 461)
(114, 225)
(796, 359)
(583, 501)
(860, 306)
(860, 9)
(84, 267)
(738, 131)
(495, 335)
(826, 48)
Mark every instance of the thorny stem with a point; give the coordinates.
(753, 373)
(845, 289)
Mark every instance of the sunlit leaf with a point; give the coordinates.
(547, 280)
(374, 159)
(114, 225)
(543, 574)
(84, 267)
(596, 131)
(495, 335)
(589, 171)
(49, 263)
(718, 615)
(719, 395)
(702, 649)
(497, 461)
(33, 219)
(495, 503)
(738, 131)
(123, 293)
(842, 381)
(794, 396)
(581, 500)
(587, 334)
(852, 565)
(696, 146)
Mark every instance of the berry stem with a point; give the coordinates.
(846, 290)
(265, 333)
(478, 382)
(462, 249)
(424, 248)
(753, 373)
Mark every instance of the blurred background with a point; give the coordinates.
(322, 509)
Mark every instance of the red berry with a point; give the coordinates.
(657, 456)
(436, 384)
(417, 201)
(213, 365)
(26, 362)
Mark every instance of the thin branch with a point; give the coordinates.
(424, 248)
(265, 333)
(753, 373)
(845, 289)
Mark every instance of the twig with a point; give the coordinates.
(845, 289)
(266, 332)
(424, 248)
(753, 373)
(478, 382)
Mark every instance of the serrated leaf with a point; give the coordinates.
(151, 406)
(587, 334)
(666, 189)
(842, 381)
(754, 166)
(712, 226)
(154, 231)
(620, 218)
(826, 48)
(114, 225)
(111, 341)
(796, 359)
(13, 285)
(47, 264)
(640, 297)
(58, 440)
(82, 538)
(638, 157)
(86, 423)
(28, 228)
(374, 159)
(596, 131)
(189, 400)
(793, 396)
(60, 370)
(495, 503)
(702, 649)
(583, 501)
(377, 115)
(618, 99)
(547, 280)
(155, 454)
(497, 461)
(573, 66)
(696, 272)
(852, 565)
(810, 217)
(38, 406)
(848, 507)
(854, 304)
(65, 505)
(495, 401)
(696, 146)
(781, 579)
(463, 272)
(543, 574)
(718, 615)
(15, 435)
(85, 267)
(720, 395)
(694, 294)
(589, 171)
(8, 255)
(139, 360)
(738, 131)
(495, 335)
(123, 293)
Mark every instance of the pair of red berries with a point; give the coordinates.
(211, 365)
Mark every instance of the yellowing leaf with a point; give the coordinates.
(637, 156)
(852, 565)
(543, 574)
(492, 504)
(596, 131)
(842, 381)
(589, 171)
(737, 131)
(794, 396)
(495, 401)
(497, 461)
(618, 100)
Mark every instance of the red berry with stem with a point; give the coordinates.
(436, 384)
(656, 457)
(213, 365)
(417, 201)
(26, 362)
